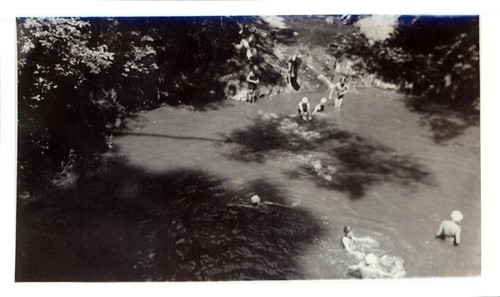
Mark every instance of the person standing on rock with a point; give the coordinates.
(293, 70)
(253, 89)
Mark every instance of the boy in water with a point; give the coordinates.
(451, 228)
(340, 89)
(320, 107)
(304, 109)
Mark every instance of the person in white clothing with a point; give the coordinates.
(340, 90)
(451, 228)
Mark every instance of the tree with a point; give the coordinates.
(433, 58)
(56, 113)
(77, 76)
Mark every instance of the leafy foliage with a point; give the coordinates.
(56, 63)
(79, 76)
(434, 58)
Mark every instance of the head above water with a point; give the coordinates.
(347, 230)
(304, 100)
(371, 259)
(456, 216)
(255, 200)
(343, 80)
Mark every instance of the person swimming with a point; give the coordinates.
(320, 107)
(368, 268)
(349, 243)
(370, 265)
(373, 266)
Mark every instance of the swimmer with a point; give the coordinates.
(255, 200)
(320, 107)
(451, 228)
(368, 268)
(257, 203)
(348, 241)
(304, 109)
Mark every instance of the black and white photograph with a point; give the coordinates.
(248, 147)
(226, 148)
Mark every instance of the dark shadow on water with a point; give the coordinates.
(213, 105)
(444, 123)
(265, 138)
(326, 154)
(121, 133)
(121, 223)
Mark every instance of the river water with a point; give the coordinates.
(395, 182)
(176, 205)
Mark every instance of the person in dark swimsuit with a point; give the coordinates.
(304, 109)
(293, 69)
(253, 89)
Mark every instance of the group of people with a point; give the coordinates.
(248, 48)
(369, 265)
(339, 89)
(304, 108)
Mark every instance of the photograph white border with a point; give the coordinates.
(486, 285)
